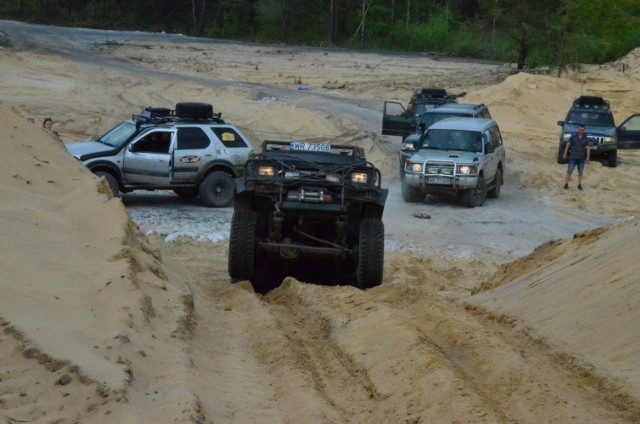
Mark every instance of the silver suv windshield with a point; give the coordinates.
(117, 136)
(467, 141)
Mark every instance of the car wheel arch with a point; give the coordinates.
(107, 167)
(218, 165)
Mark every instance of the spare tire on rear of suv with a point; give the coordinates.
(194, 110)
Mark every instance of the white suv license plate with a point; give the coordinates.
(439, 180)
(311, 147)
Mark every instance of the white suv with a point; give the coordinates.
(189, 150)
(458, 156)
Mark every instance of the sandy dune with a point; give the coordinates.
(103, 324)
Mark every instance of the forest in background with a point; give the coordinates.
(529, 33)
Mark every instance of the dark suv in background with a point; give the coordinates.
(595, 114)
(396, 120)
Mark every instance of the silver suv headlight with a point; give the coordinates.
(416, 167)
(566, 137)
(468, 169)
(609, 140)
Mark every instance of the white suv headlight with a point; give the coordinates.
(468, 169)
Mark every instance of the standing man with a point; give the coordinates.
(579, 145)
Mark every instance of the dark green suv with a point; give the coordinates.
(396, 120)
(606, 138)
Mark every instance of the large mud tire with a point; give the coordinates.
(475, 196)
(411, 194)
(369, 270)
(111, 180)
(612, 159)
(216, 190)
(242, 244)
(192, 110)
(494, 193)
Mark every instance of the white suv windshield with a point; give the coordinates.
(117, 136)
(467, 141)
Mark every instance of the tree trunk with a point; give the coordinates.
(331, 22)
(393, 11)
(364, 12)
(523, 51)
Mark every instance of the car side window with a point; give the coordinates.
(190, 138)
(632, 124)
(154, 142)
(486, 139)
(496, 137)
(229, 137)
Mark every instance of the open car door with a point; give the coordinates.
(629, 133)
(396, 120)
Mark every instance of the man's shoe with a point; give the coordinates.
(566, 186)
(579, 186)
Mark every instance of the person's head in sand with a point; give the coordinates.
(31, 121)
(47, 124)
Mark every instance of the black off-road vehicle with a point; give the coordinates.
(308, 210)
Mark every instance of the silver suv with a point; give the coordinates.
(458, 156)
(189, 150)
(430, 117)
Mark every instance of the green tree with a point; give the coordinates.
(527, 23)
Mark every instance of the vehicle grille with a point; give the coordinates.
(439, 168)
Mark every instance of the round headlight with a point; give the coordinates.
(416, 167)
(266, 171)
